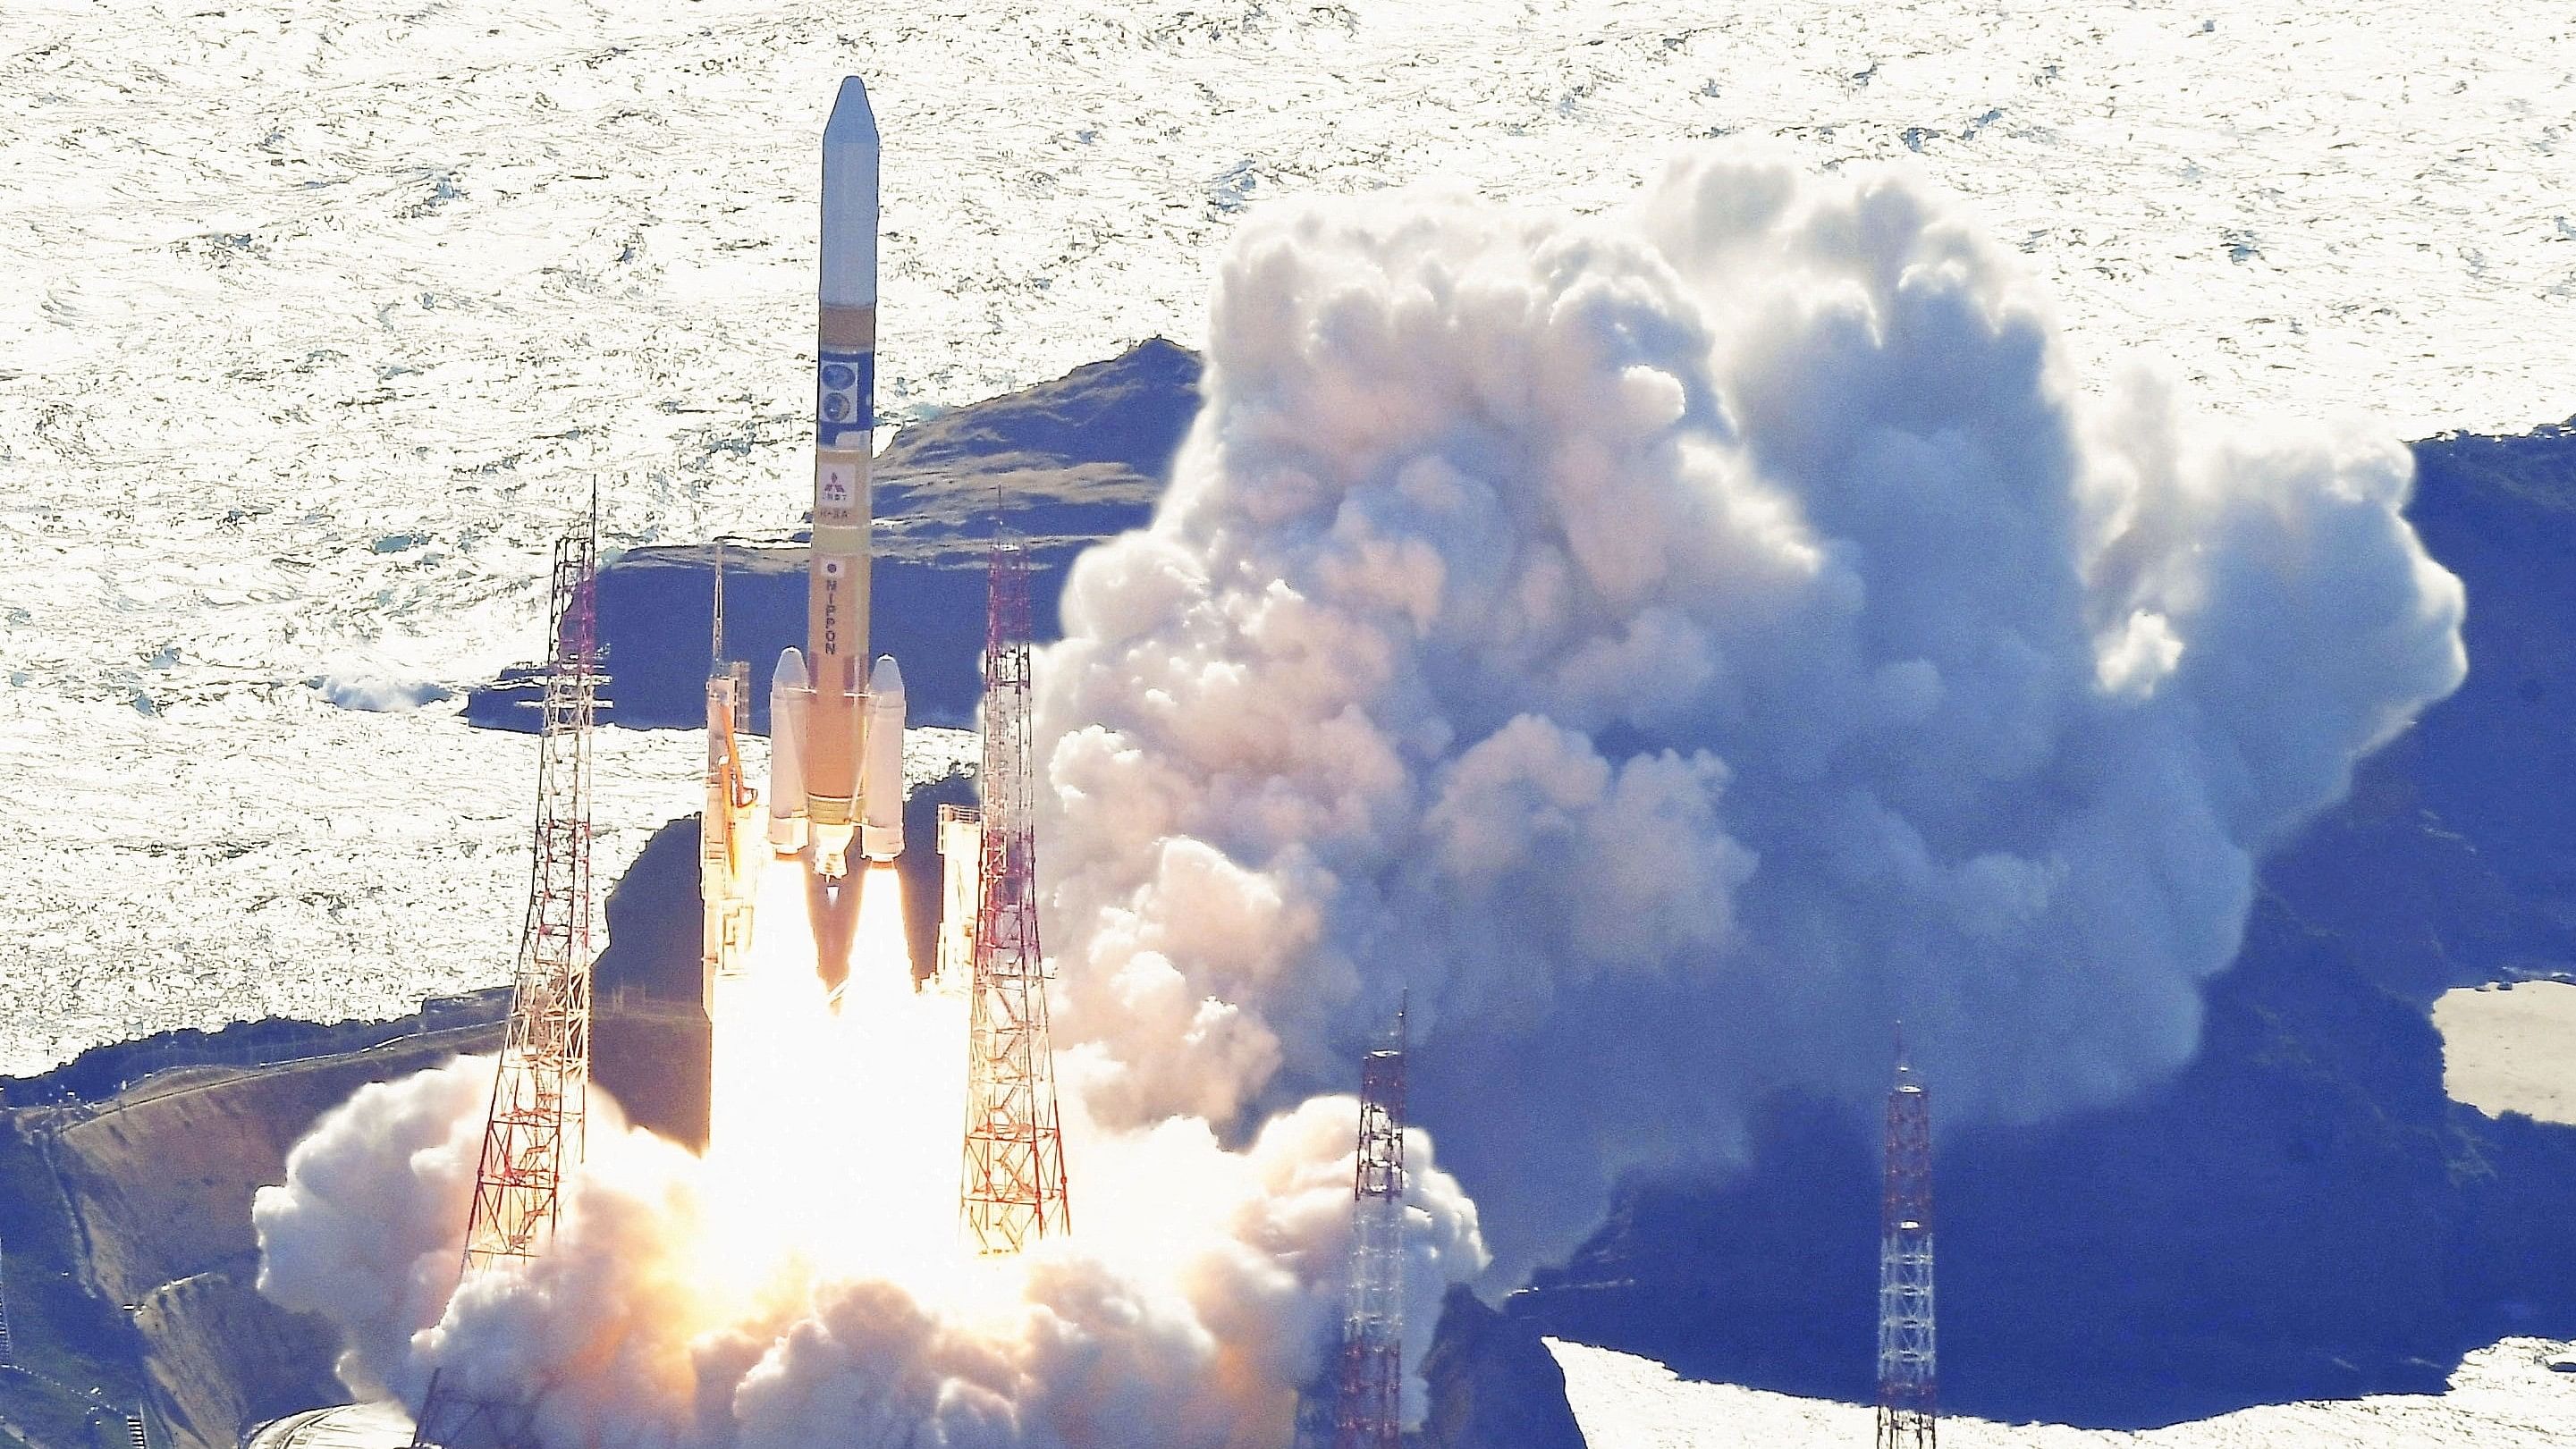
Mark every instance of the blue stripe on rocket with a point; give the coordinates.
(845, 399)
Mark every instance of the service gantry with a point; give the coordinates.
(1368, 1400)
(1012, 1189)
(730, 844)
(533, 1133)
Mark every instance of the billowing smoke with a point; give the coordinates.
(1677, 645)
(1672, 646)
(1201, 1293)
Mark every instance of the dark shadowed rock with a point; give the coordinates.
(1070, 460)
(1067, 463)
(1493, 1384)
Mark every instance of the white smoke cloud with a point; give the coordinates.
(1675, 645)
(1670, 645)
(370, 1224)
(1199, 1295)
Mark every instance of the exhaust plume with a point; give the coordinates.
(1203, 1289)
(1671, 644)
(1674, 645)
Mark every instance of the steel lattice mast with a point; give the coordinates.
(1369, 1396)
(1012, 1191)
(534, 1132)
(1908, 1397)
(729, 843)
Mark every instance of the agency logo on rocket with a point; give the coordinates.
(844, 386)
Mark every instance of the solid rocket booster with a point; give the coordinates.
(881, 777)
(788, 698)
(836, 621)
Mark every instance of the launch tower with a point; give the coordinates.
(1013, 1185)
(730, 845)
(1368, 1402)
(1908, 1404)
(961, 895)
(534, 1132)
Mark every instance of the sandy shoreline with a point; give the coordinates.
(2511, 1048)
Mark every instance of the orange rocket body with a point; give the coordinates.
(827, 715)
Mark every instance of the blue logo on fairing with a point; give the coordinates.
(845, 399)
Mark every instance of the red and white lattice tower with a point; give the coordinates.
(1012, 1190)
(1368, 1400)
(1908, 1397)
(534, 1133)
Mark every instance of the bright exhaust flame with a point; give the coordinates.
(899, 1057)
(806, 1282)
(834, 1137)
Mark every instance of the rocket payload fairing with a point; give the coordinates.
(836, 724)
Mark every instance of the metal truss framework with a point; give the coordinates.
(1369, 1397)
(1012, 1189)
(1908, 1391)
(534, 1132)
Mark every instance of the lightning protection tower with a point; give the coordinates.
(1368, 1399)
(534, 1132)
(1908, 1400)
(1012, 1189)
(728, 838)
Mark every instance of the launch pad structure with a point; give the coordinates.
(1012, 1187)
(533, 1135)
(1368, 1400)
(1360, 1403)
(730, 842)
(1908, 1391)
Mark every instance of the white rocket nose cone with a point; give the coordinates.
(791, 671)
(853, 121)
(886, 678)
(849, 259)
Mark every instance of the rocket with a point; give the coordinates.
(836, 590)
(836, 725)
